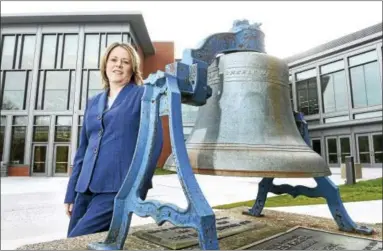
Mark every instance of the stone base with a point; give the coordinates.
(273, 223)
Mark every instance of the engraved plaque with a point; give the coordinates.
(179, 238)
(301, 238)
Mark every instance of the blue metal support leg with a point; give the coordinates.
(263, 188)
(330, 192)
(198, 214)
(325, 188)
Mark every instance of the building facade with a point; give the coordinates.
(338, 86)
(49, 69)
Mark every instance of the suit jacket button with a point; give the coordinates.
(95, 151)
(99, 117)
(100, 133)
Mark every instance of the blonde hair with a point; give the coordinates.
(137, 75)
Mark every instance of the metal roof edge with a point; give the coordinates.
(365, 35)
(135, 18)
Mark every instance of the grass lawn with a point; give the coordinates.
(361, 191)
(161, 171)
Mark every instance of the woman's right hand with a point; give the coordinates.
(68, 209)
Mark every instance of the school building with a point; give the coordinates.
(49, 68)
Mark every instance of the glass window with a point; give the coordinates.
(63, 121)
(48, 52)
(364, 149)
(336, 119)
(345, 148)
(91, 53)
(54, 90)
(359, 97)
(71, 87)
(363, 58)
(313, 122)
(80, 123)
(334, 92)
(91, 85)
(111, 38)
(316, 146)
(3, 120)
(63, 129)
(8, 52)
(126, 38)
(328, 93)
(335, 66)
(20, 121)
(102, 46)
(15, 90)
(291, 96)
(95, 82)
(366, 85)
(307, 96)
(59, 52)
(70, 51)
(373, 84)
(28, 53)
(377, 140)
(340, 90)
(80, 120)
(305, 74)
(42, 120)
(18, 51)
(18, 139)
(368, 115)
(332, 151)
(41, 129)
(2, 133)
(40, 87)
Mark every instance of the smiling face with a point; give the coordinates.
(119, 68)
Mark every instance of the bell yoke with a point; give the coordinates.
(245, 127)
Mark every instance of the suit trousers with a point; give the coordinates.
(91, 213)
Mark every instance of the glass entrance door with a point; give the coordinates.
(337, 149)
(344, 148)
(39, 160)
(61, 159)
(370, 149)
(363, 142)
(377, 147)
(332, 152)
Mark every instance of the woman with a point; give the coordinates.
(107, 143)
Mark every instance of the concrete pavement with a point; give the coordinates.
(32, 207)
(361, 211)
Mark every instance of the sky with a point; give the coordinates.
(289, 27)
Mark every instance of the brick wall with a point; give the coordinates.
(141, 54)
(18, 171)
(164, 54)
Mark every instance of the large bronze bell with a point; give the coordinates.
(247, 127)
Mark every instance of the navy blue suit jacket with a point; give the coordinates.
(107, 143)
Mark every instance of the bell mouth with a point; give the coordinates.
(254, 161)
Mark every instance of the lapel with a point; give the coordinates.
(120, 97)
(102, 103)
